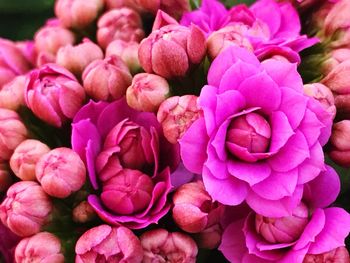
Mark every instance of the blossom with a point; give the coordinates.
(260, 138)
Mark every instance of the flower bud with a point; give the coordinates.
(45, 58)
(172, 50)
(147, 92)
(338, 78)
(127, 51)
(53, 94)
(337, 17)
(60, 172)
(5, 177)
(338, 255)
(336, 57)
(161, 246)
(209, 238)
(25, 157)
(106, 79)
(176, 114)
(27, 48)
(83, 213)
(174, 8)
(76, 58)
(13, 132)
(114, 4)
(26, 208)
(283, 230)
(124, 24)
(194, 210)
(78, 13)
(108, 244)
(12, 93)
(43, 247)
(340, 143)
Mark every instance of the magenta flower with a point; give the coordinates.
(311, 229)
(260, 138)
(128, 160)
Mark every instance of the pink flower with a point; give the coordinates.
(339, 255)
(108, 244)
(127, 51)
(12, 93)
(340, 143)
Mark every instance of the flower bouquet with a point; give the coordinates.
(177, 131)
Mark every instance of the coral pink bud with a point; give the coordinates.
(50, 38)
(114, 4)
(108, 244)
(60, 172)
(127, 51)
(12, 93)
(76, 58)
(194, 210)
(124, 24)
(106, 79)
(5, 177)
(45, 58)
(147, 92)
(78, 13)
(43, 247)
(340, 143)
(323, 94)
(176, 114)
(336, 57)
(163, 19)
(83, 213)
(174, 8)
(338, 255)
(12, 131)
(161, 246)
(172, 50)
(283, 230)
(337, 18)
(26, 208)
(209, 238)
(338, 79)
(25, 157)
(53, 94)
(27, 49)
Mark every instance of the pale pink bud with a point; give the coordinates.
(60, 172)
(161, 246)
(338, 17)
(78, 13)
(340, 143)
(114, 4)
(26, 208)
(194, 210)
(83, 213)
(147, 92)
(53, 94)
(12, 93)
(338, 255)
(283, 230)
(108, 244)
(45, 58)
(176, 114)
(172, 50)
(76, 58)
(25, 157)
(209, 238)
(336, 57)
(5, 177)
(127, 51)
(27, 49)
(12, 132)
(106, 79)
(174, 8)
(124, 24)
(43, 247)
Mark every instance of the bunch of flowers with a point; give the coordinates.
(166, 131)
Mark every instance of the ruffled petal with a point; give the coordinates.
(252, 173)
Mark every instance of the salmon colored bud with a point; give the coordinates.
(76, 58)
(12, 93)
(209, 238)
(174, 8)
(106, 79)
(127, 51)
(5, 177)
(12, 130)
(147, 92)
(114, 4)
(83, 213)
(25, 157)
(78, 13)
(43, 247)
(124, 24)
(26, 208)
(338, 255)
(45, 58)
(176, 114)
(340, 143)
(337, 18)
(163, 19)
(60, 172)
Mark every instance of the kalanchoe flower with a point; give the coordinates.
(76, 58)
(338, 255)
(176, 114)
(53, 94)
(43, 247)
(106, 79)
(311, 229)
(147, 92)
(83, 212)
(25, 157)
(108, 244)
(127, 51)
(120, 146)
(260, 138)
(174, 8)
(12, 93)
(60, 172)
(123, 23)
(27, 48)
(172, 50)
(340, 143)
(13, 132)
(5, 177)
(160, 246)
(115, 4)
(26, 208)
(335, 57)
(78, 13)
